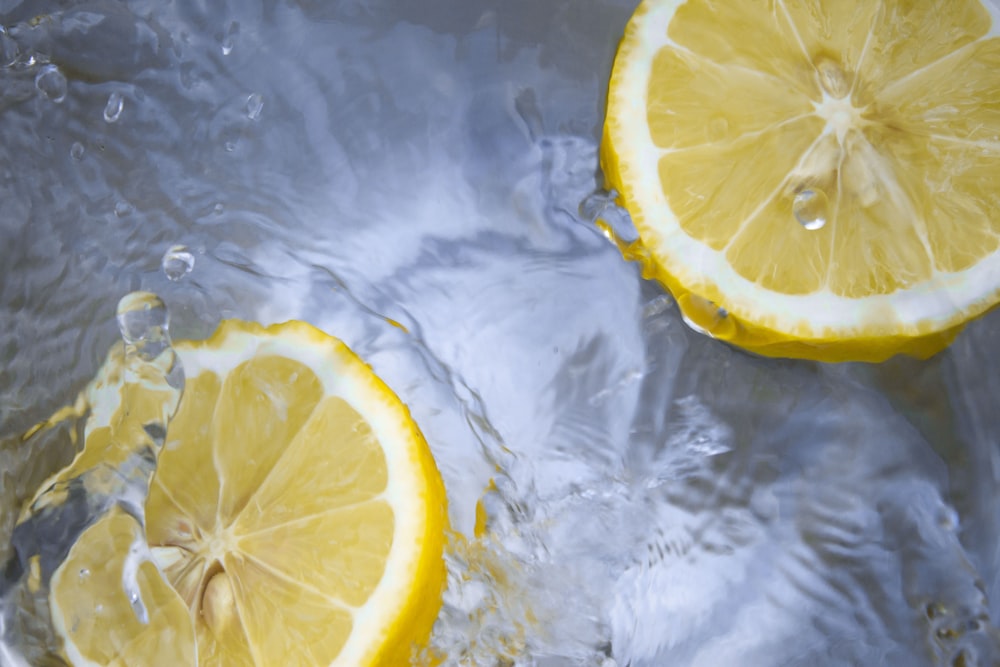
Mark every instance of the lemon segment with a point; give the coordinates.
(96, 619)
(296, 514)
(825, 174)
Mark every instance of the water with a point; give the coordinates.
(255, 104)
(177, 262)
(51, 83)
(811, 208)
(113, 109)
(660, 498)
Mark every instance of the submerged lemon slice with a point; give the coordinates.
(92, 612)
(295, 512)
(813, 179)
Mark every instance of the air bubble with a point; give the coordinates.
(229, 39)
(77, 150)
(811, 209)
(50, 82)
(123, 208)
(113, 109)
(255, 103)
(177, 262)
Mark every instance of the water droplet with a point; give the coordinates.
(177, 262)
(229, 38)
(230, 138)
(99, 608)
(50, 82)
(113, 109)
(594, 204)
(255, 103)
(600, 208)
(84, 573)
(694, 326)
(143, 323)
(218, 209)
(811, 209)
(123, 208)
(77, 150)
(705, 317)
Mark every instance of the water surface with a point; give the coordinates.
(661, 499)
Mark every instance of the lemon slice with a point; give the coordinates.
(295, 512)
(813, 179)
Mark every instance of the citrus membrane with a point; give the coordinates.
(813, 179)
(296, 516)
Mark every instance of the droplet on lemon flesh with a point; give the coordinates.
(828, 173)
(296, 513)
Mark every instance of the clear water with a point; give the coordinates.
(661, 499)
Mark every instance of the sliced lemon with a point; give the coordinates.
(813, 179)
(295, 512)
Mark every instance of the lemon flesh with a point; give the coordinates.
(296, 514)
(813, 179)
(94, 606)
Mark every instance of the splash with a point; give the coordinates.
(130, 404)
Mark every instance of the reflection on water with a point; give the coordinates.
(657, 497)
